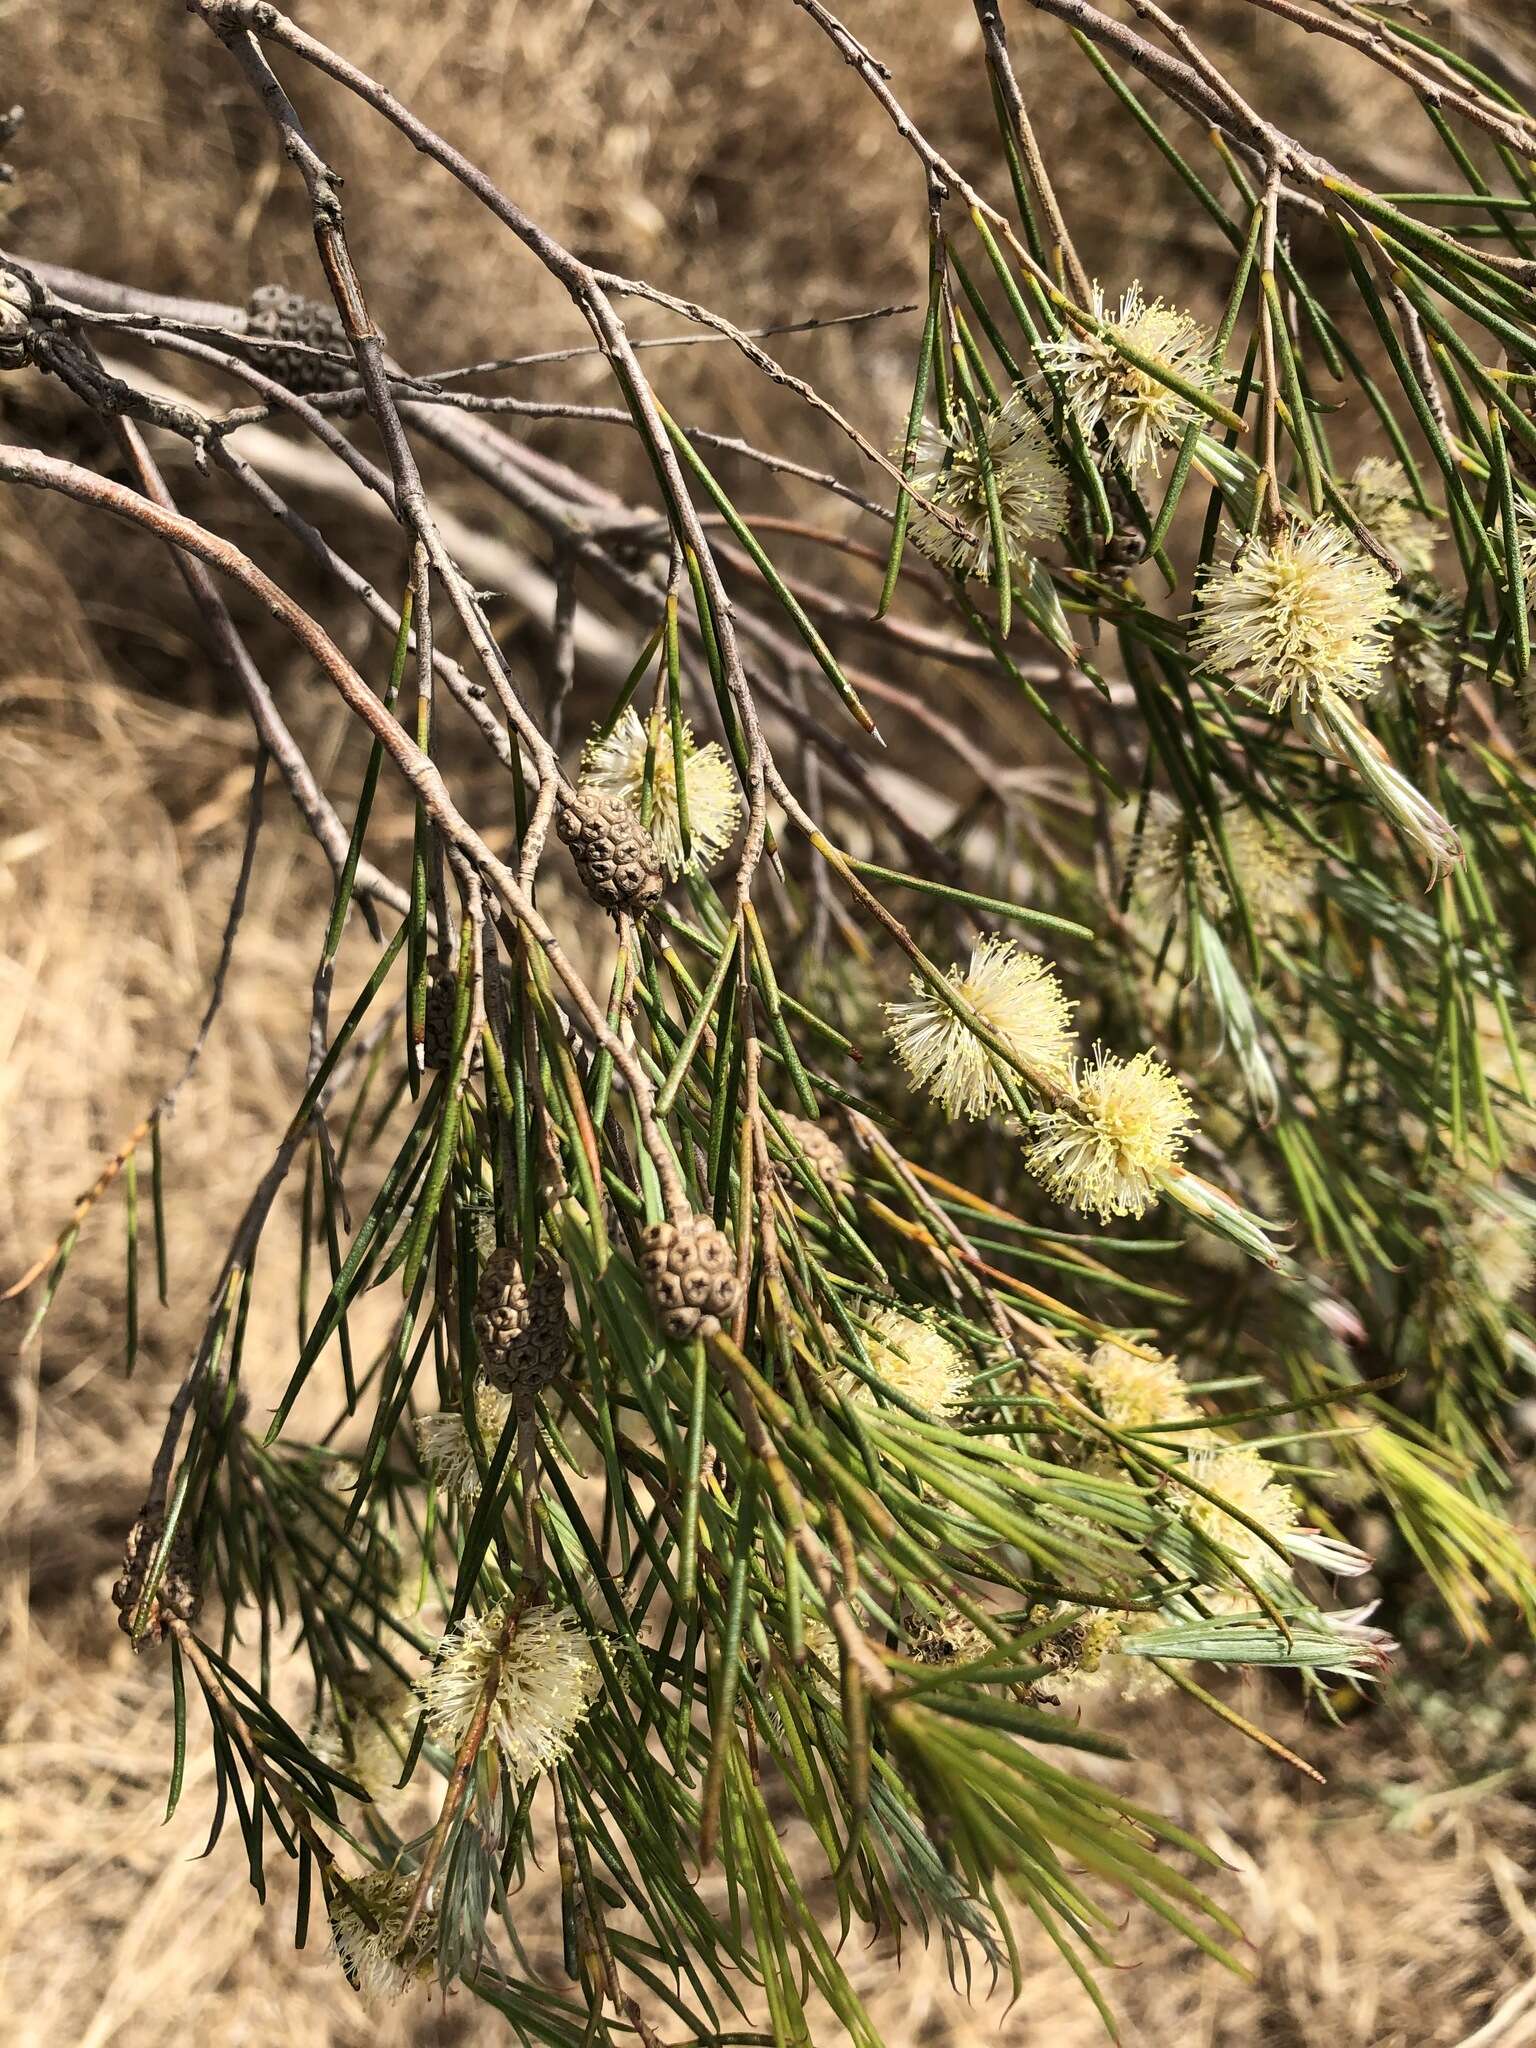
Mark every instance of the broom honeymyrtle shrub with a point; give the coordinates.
(881, 1286)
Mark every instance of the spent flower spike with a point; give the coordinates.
(1424, 646)
(1167, 862)
(363, 1733)
(1271, 867)
(947, 1640)
(1487, 1260)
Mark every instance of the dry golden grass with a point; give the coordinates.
(688, 143)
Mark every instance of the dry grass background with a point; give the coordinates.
(719, 151)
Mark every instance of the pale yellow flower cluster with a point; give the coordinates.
(951, 474)
(915, 1357)
(1110, 1129)
(1136, 1388)
(1107, 1145)
(368, 1915)
(1381, 498)
(616, 766)
(1300, 619)
(1016, 997)
(446, 1450)
(542, 1678)
(1138, 412)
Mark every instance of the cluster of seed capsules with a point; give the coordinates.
(178, 1596)
(613, 853)
(520, 1324)
(297, 342)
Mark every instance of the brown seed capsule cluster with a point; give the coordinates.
(15, 320)
(276, 314)
(618, 865)
(437, 1022)
(820, 1148)
(438, 1018)
(690, 1275)
(178, 1595)
(520, 1324)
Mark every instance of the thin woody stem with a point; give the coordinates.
(238, 22)
(30, 466)
(1000, 63)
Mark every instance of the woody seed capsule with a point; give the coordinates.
(520, 1324)
(437, 1021)
(821, 1149)
(178, 1595)
(278, 315)
(614, 855)
(690, 1275)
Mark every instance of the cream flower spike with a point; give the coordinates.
(1139, 414)
(543, 1676)
(917, 1359)
(1240, 1477)
(1017, 997)
(1304, 621)
(1301, 619)
(615, 766)
(445, 1448)
(1381, 498)
(1032, 490)
(1106, 1146)
(367, 1920)
(1136, 1391)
